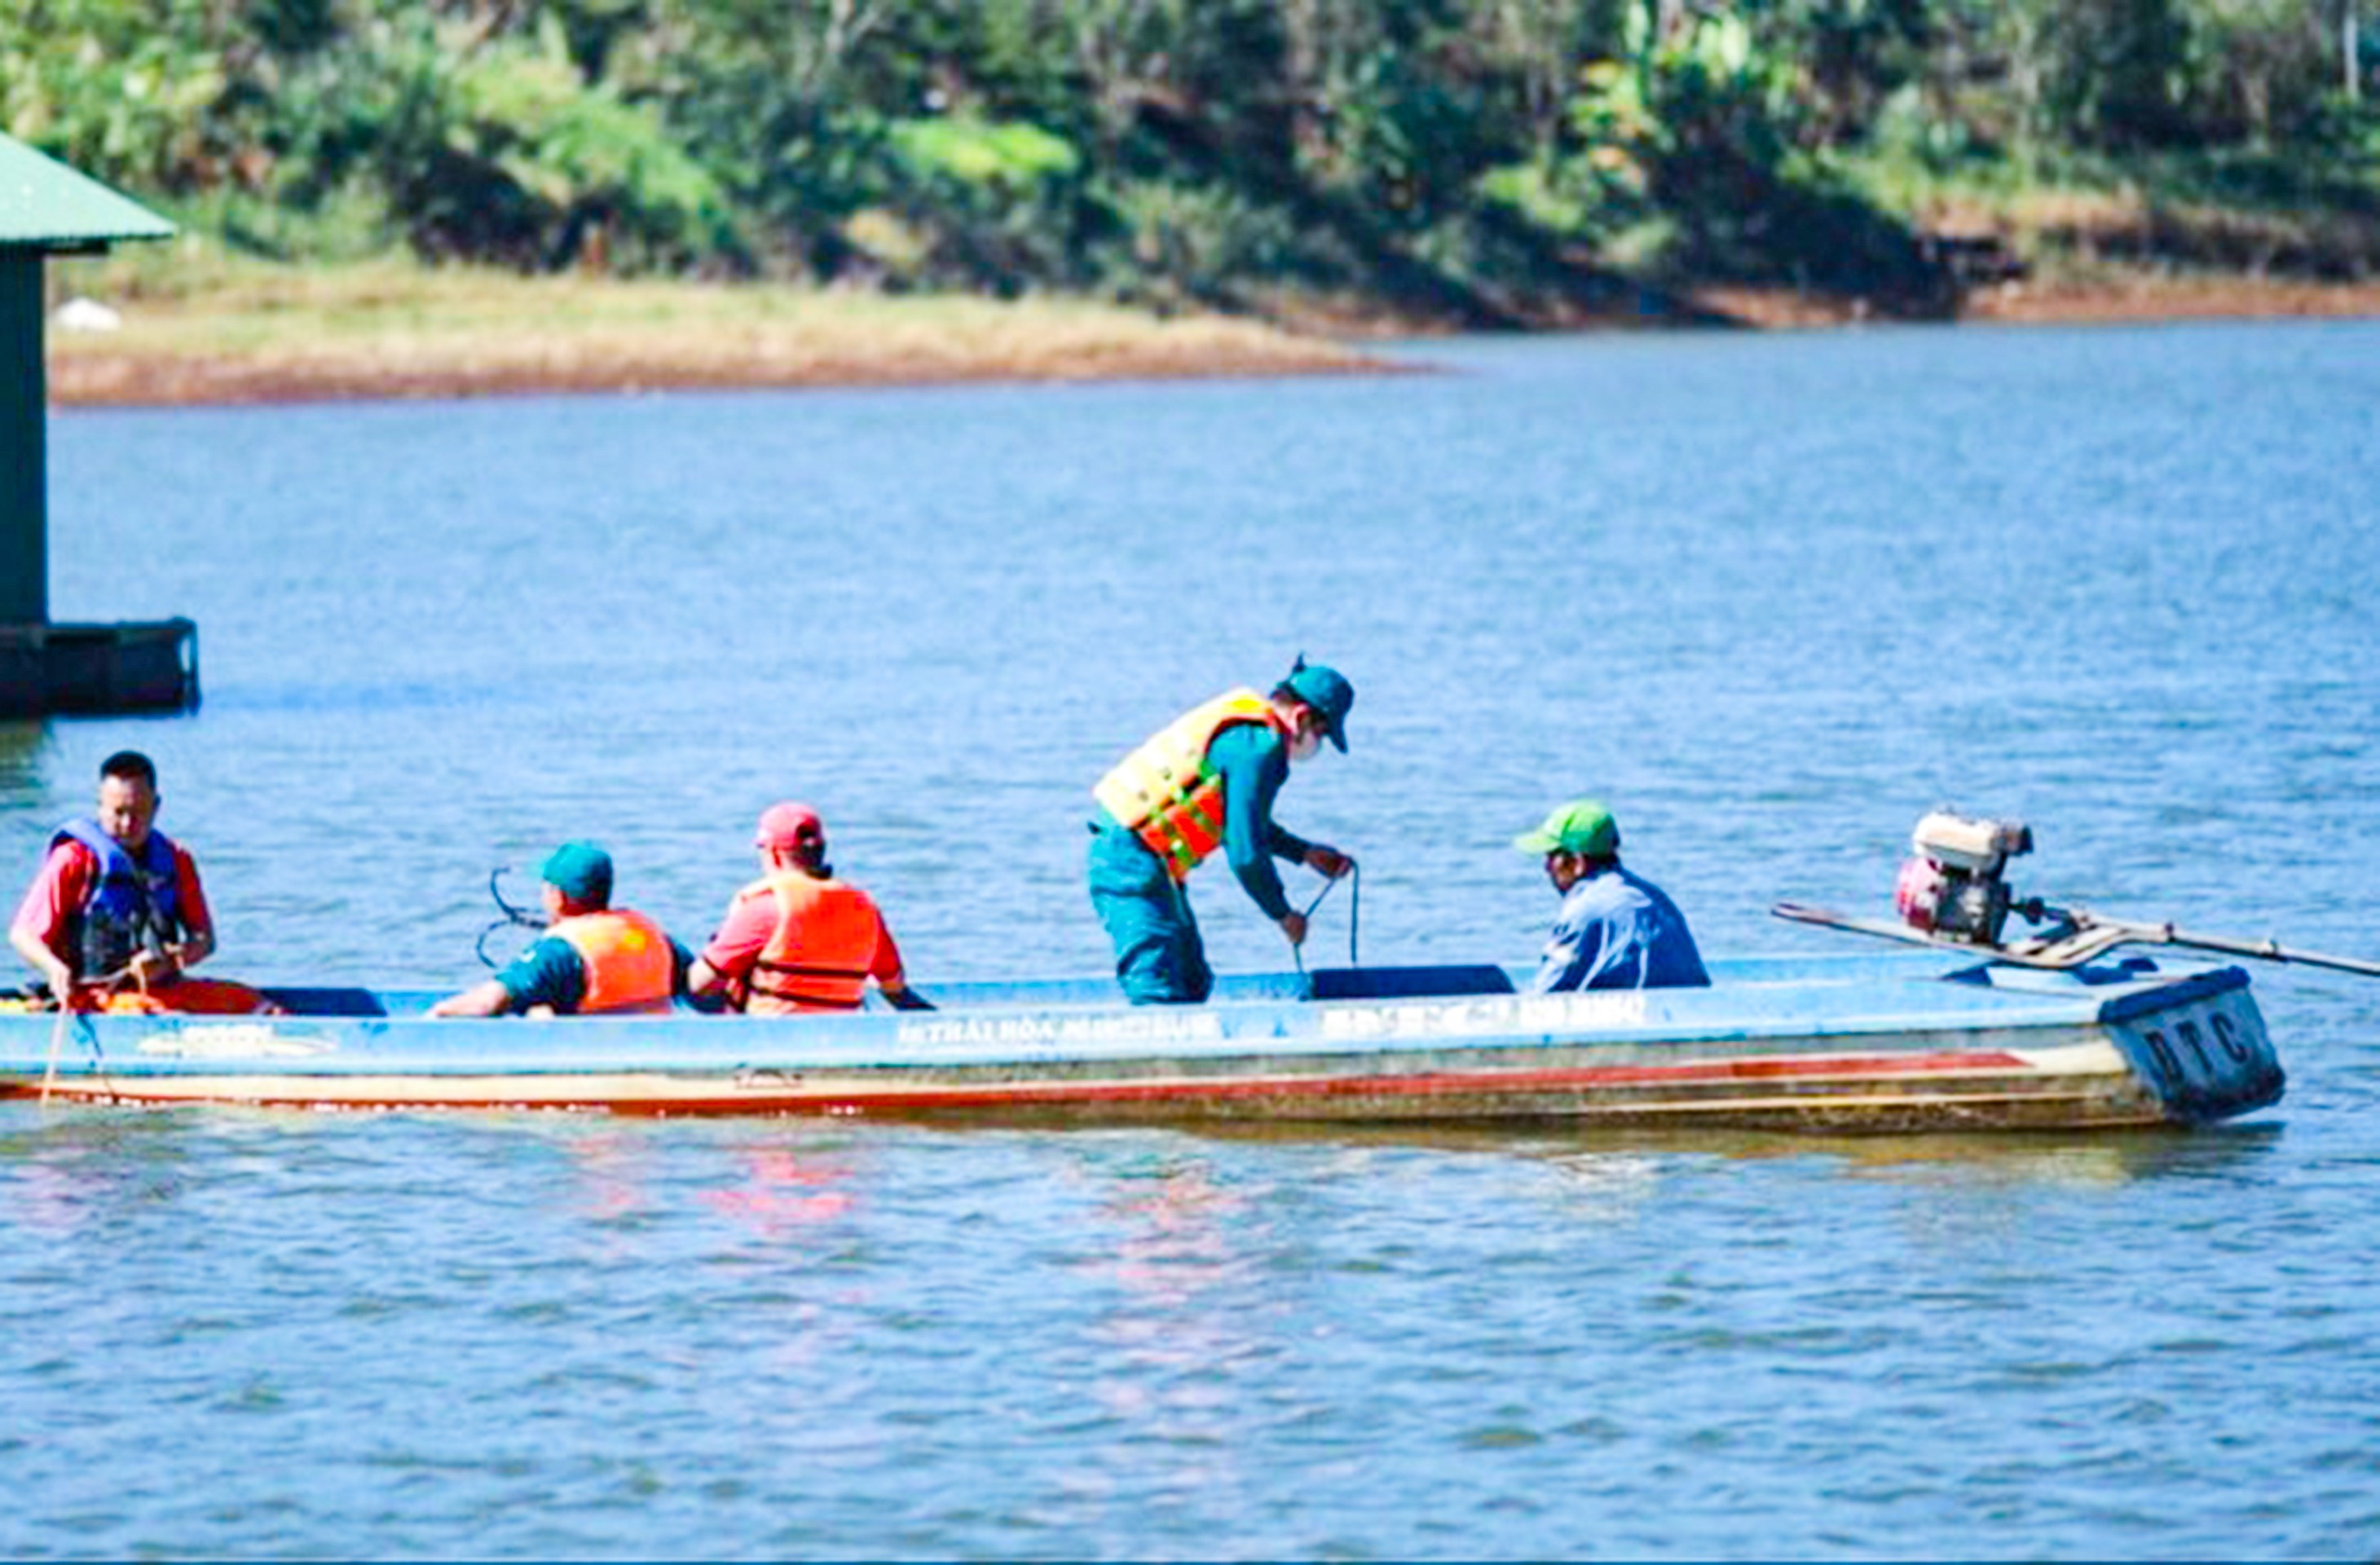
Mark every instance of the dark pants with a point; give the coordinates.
(1160, 958)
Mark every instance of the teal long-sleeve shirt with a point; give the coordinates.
(1254, 764)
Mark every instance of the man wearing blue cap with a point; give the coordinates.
(593, 959)
(1208, 781)
(1616, 930)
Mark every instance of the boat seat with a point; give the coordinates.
(1407, 983)
(327, 1002)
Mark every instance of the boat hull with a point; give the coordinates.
(1877, 1045)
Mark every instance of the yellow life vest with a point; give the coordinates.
(1167, 794)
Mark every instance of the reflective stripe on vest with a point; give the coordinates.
(625, 958)
(1167, 794)
(133, 904)
(819, 956)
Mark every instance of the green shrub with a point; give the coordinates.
(1196, 243)
(1563, 200)
(997, 205)
(1010, 157)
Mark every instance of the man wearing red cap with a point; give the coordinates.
(798, 939)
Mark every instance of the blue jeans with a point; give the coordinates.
(1160, 958)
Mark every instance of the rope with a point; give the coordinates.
(57, 1041)
(513, 917)
(1354, 912)
(68, 1015)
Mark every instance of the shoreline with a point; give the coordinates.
(245, 334)
(134, 379)
(2119, 299)
(380, 335)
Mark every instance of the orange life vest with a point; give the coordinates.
(1167, 794)
(626, 960)
(819, 956)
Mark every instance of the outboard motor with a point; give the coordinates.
(1950, 892)
(1952, 888)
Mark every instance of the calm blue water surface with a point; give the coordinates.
(1773, 597)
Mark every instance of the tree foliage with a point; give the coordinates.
(1441, 155)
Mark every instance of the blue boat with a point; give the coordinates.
(1909, 1038)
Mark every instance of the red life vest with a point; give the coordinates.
(626, 960)
(819, 955)
(1167, 794)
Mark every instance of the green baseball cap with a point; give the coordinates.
(580, 871)
(1327, 691)
(1582, 827)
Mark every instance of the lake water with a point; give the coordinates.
(1771, 596)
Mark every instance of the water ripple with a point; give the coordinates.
(1772, 597)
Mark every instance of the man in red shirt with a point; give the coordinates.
(798, 939)
(117, 914)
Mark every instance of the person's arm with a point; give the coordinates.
(1284, 843)
(547, 975)
(197, 930)
(42, 959)
(890, 976)
(198, 941)
(1599, 943)
(489, 999)
(1253, 765)
(39, 925)
(705, 988)
(695, 981)
(714, 978)
(1575, 951)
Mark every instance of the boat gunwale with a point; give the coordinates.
(1215, 1038)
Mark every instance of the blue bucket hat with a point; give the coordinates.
(580, 871)
(1327, 691)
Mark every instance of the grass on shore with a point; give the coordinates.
(213, 329)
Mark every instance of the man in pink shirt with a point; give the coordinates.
(798, 939)
(116, 916)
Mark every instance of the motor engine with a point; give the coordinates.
(1952, 887)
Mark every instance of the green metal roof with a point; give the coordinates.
(45, 205)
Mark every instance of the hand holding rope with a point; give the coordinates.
(1355, 912)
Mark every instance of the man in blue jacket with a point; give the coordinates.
(1616, 930)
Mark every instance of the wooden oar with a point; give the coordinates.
(1884, 928)
(2166, 934)
(2081, 936)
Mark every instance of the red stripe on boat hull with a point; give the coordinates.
(834, 1093)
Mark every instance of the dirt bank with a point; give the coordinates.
(421, 335)
(2117, 297)
(378, 334)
